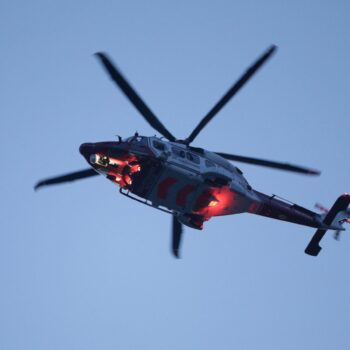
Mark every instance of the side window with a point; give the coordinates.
(158, 145)
(192, 157)
(209, 164)
(178, 152)
(189, 156)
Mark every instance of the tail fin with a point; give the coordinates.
(339, 207)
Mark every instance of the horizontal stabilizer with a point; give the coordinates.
(341, 204)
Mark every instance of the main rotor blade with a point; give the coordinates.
(78, 175)
(230, 93)
(176, 236)
(270, 164)
(133, 97)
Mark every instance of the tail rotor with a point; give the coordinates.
(333, 219)
(345, 214)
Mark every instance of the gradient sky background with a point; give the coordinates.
(82, 267)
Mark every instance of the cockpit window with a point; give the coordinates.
(159, 145)
(192, 157)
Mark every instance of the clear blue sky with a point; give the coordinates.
(82, 267)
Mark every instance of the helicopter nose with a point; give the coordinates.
(86, 149)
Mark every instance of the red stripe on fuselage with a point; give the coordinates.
(181, 196)
(164, 186)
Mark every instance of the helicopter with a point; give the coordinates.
(193, 184)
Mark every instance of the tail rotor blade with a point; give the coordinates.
(133, 97)
(176, 237)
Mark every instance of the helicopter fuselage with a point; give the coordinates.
(192, 183)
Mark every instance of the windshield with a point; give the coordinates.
(140, 140)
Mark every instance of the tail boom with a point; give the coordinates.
(276, 208)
